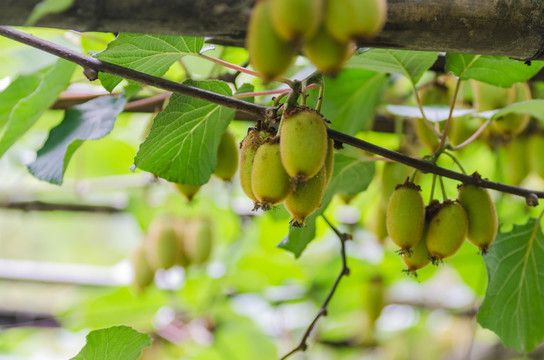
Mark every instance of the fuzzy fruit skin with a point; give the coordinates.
(296, 20)
(269, 54)
(355, 19)
(162, 244)
(302, 202)
(447, 230)
(393, 173)
(481, 214)
(326, 52)
(227, 157)
(329, 162)
(490, 97)
(405, 216)
(419, 259)
(187, 190)
(513, 124)
(516, 162)
(143, 273)
(303, 143)
(250, 144)
(198, 240)
(269, 181)
(536, 149)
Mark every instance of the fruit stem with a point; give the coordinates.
(425, 120)
(455, 160)
(413, 176)
(320, 96)
(432, 188)
(444, 195)
(323, 309)
(293, 96)
(473, 136)
(450, 119)
(241, 68)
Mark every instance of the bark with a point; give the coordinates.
(513, 28)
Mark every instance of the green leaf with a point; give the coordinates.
(182, 144)
(89, 121)
(533, 107)
(24, 101)
(114, 343)
(150, 54)
(495, 70)
(47, 7)
(351, 99)
(350, 176)
(246, 88)
(513, 306)
(411, 64)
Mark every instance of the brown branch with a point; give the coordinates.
(343, 237)
(95, 66)
(43, 206)
(531, 196)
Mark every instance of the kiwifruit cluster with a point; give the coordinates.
(294, 166)
(227, 165)
(325, 30)
(434, 232)
(171, 241)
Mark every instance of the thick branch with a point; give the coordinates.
(263, 111)
(88, 62)
(508, 28)
(44, 206)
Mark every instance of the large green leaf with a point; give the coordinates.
(411, 64)
(182, 144)
(495, 70)
(533, 107)
(350, 176)
(114, 343)
(89, 121)
(151, 54)
(513, 306)
(24, 101)
(351, 99)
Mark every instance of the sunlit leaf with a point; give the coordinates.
(24, 101)
(46, 7)
(513, 306)
(150, 54)
(182, 144)
(350, 176)
(495, 70)
(114, 343)
(411, 64)
(89, 121)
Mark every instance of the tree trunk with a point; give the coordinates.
(513, 28)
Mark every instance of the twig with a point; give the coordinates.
(95, 65)
(257, 110)
(302, 346)
(43, 206)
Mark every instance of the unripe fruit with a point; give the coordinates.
(296, 20)
(180, 228)
(419, 258)
(306, 198)
(447, 229)
(327, 53)
(481, 214)
(513, 124)
(329, 162)
(378, 223)
(227, 157)
(490, 97)
(406, 216)
(516, 165)
(426, 135)
(269, 54)
(536, 149)
(198, 239)
(250, 144)
(162, 244)
(143, 273)
(393, 173)
(355, 19)
(303, 143)
(187, 190)
(375, 299)
(269, 181)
